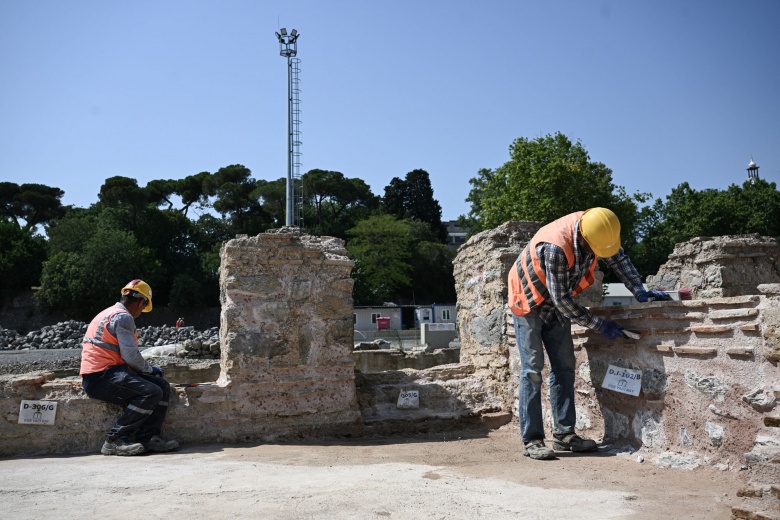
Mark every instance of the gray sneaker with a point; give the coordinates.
(122, 448)
(573, 442)
(537, 450)
(157, 445)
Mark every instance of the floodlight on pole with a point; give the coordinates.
(288, 48)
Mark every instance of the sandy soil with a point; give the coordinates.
(457, 475)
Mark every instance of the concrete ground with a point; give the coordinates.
(453, 475)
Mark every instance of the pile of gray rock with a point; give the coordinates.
(66, 334)
(190, 343)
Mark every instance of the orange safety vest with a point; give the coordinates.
(527, 281)
(100, 349)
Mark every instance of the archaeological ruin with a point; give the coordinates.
(710, 379)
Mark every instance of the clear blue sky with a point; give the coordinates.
(661, 92)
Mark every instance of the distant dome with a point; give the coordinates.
(751, 163)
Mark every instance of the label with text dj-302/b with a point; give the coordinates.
(623, 380)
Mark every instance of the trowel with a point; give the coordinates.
(630, 334)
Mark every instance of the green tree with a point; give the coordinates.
(35, 204)
(273, 200)
(22, 254)
(335, 203)
(545, 179)
(753, 207)
(381, 248)
(431, 268)
(238, 198)
(82, 283)
(412, 198)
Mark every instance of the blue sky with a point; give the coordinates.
(661, 92)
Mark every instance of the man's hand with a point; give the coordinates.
(157, 371)
(610, 330)
(652, 296)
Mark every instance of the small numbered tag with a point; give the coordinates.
(409, 399)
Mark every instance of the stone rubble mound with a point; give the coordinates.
(189, 343)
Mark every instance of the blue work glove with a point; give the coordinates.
(157, 371)
(652, 296)
(610, 330)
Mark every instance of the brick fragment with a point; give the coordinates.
(696, 351)
(727, 314)
(665, 346)
(750, 492)
(773, 422)
(710, 329)
(749, 327)
(740, 351)
(671, 331)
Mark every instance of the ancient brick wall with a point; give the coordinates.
(710, 374)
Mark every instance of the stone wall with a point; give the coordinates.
(286, 332)
(711, 267)
(286, 365)
(709, 366)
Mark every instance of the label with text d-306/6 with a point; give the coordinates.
(37, 412)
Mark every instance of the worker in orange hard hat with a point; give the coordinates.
(113, 370)
(557, 264)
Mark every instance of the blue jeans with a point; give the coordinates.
(145, 399)
(533, 337)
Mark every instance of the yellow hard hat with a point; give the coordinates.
(600, 228)
(140, 288)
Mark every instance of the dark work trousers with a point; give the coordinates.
(145, 399)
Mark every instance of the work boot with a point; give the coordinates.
(121, 447)
(157, 445)
(537, 450)
(573, 442)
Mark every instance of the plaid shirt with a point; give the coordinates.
(561, 281)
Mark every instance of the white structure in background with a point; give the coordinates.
(618, 294)
(401, 317)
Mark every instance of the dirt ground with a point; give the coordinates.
(453, 475)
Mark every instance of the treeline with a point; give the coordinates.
(551, 176)
(169, 232)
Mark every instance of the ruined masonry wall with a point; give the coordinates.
(286, 331)
(711, 267)
(710, 366)
(286, 366)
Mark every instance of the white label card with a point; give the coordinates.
(37, 412)
(623, 380)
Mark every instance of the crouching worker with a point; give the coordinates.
(113, 370)
(556, 265)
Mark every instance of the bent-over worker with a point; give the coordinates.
(556, 265)
(113, 370)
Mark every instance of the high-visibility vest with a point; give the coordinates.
(527, 281)
(100, 349)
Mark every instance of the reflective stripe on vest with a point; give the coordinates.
(527, 281)
(100, 348)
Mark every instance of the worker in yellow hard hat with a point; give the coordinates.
(557, 264)
(113, 370)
